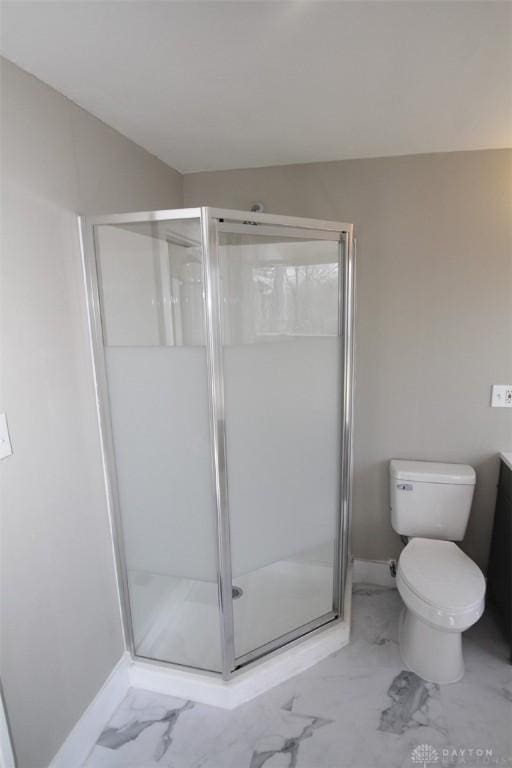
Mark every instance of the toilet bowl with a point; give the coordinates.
(443, 592)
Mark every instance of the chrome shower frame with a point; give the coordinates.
(213, 220)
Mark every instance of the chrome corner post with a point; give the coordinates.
(91, 282)
(214, 357)
(346, 331)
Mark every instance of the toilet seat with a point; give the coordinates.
(441, 584)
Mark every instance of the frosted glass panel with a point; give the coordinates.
(283, 448)
(151, 293)
(159, 411)
(282, 399)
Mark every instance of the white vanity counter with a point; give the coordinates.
(507, 458)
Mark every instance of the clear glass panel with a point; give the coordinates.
(282, 365)
(151, 295)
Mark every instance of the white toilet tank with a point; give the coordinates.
(431, 500)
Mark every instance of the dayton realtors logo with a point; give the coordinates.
(424, 755)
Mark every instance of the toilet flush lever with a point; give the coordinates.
(405, 486)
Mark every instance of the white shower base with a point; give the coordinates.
(275, 668)
(177, 619)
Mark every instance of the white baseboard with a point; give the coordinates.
(84, 735)
(204, 688)
(200, 687)
(372, 572)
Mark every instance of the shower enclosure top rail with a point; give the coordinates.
(220, 213)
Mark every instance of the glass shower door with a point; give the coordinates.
(282, 367)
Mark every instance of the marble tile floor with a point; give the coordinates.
(359, 708)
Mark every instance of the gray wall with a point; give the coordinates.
(434, 314)
(60, 624)
(433, 332)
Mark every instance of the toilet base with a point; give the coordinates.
(434, 655)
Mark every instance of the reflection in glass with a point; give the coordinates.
(151, 284)
(278, 290)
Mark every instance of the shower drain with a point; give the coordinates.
(236, 592)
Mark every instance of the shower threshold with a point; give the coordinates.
(251, 680)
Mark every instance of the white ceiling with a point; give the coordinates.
(211, 85)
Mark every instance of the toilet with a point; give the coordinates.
(442, 588)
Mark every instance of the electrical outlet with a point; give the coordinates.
(501, 396)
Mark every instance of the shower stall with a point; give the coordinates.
(222, 346)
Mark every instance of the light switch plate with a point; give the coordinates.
(5, 441)
(501, 396)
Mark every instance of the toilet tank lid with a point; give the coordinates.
(432, 472)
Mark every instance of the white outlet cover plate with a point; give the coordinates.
(5, 441)
(501, 396)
